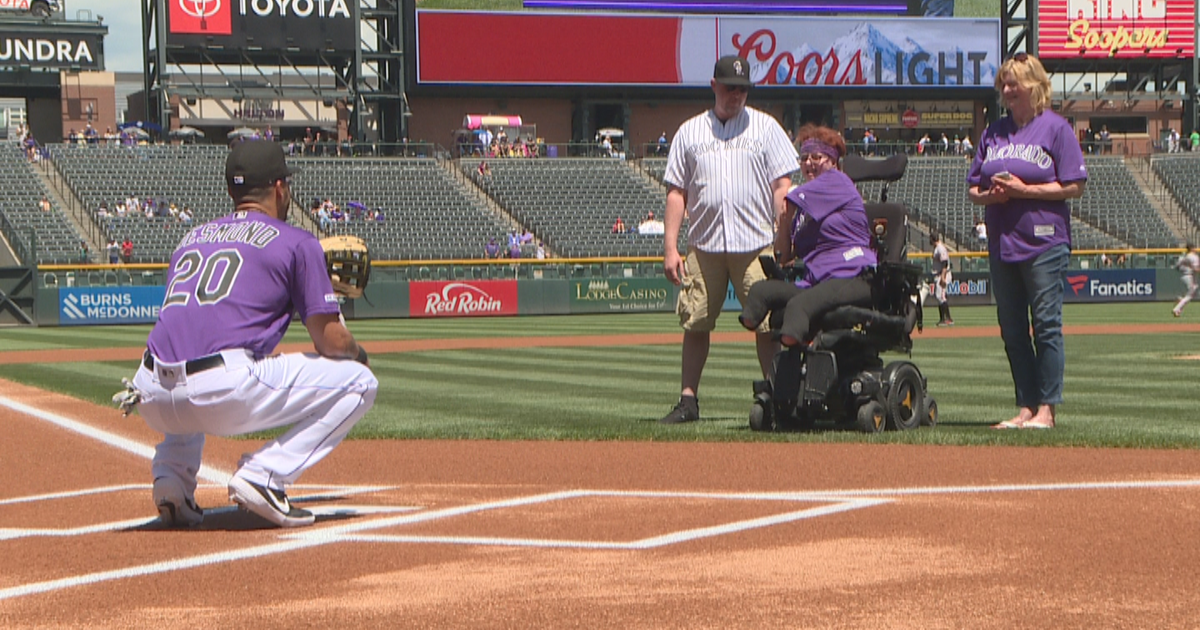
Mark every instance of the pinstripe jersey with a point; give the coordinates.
(726, 171)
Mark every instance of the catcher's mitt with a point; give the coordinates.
(349, 264)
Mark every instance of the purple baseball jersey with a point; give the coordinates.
(234, 283)
(1043, 151)
(831, 230)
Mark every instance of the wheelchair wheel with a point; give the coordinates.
(905, 398)
(761, 414)
(870, 417)
(930, 419)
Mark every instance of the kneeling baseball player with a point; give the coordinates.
(232, 287)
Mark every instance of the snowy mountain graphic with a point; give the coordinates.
(873, 47)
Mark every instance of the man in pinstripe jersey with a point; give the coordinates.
(728, 170)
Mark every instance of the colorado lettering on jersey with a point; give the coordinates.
(750, 145)
(253, 233)
(1031, 153)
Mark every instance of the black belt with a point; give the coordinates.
(195, 366)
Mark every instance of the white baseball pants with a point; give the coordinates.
(321, 398)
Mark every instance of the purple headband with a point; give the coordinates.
(812, 145)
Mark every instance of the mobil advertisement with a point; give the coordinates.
(109, 305)
(967, 287)
(462, 298)
(1125, 29)
(1110, 285)
(621, 295)
(680, 50)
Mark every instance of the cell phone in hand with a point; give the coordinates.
(1003, 175)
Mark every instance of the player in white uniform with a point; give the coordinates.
(941, 279)
(728, 170)
(232, 287)
(1189, 267)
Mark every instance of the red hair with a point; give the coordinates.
(824, 135)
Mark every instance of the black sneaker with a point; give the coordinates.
(686, 410)
(268, 503)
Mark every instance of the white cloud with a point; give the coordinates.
(123, 44)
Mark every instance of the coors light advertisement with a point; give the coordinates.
(660, 50)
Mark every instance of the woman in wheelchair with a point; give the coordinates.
(826, 226)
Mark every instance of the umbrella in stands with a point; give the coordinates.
(141, 124)
(186, 132)
(135, 132)
(243, 132)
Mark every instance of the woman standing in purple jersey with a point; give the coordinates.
(1026, 168)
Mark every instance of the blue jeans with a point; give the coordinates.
(1033, 288)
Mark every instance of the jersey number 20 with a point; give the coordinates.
(217, 275)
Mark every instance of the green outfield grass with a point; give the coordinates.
(1122, 390)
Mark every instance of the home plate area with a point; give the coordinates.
(595, 519)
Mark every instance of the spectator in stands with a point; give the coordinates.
(945, 145)
(73, 136)
(102, 211)
(958, 148)
(85, 253)
(968, 148)
(618, 227)
(526, 237)
(981, 232)
(185, 215)
(1121, 259)
(379, 215)
(1105, 261)
(492, 249)
(923, 144)
(114, 252)
(484, 171)
(1029, 165)
(1105, 140)
(1174, 141)
(127, 250)
(308, 141)
(121, 209)
(868, 138)
(662, 147)
(44, 204)
(514, 248)
(1194, 140)
(269, 134)
(110, 136)
(541, 251)
(336, 215)
(730, 216)
(606, 147)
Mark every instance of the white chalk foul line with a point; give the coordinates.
(207, 473)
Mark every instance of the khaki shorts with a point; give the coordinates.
(707, 277)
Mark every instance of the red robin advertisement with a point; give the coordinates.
(462, 298)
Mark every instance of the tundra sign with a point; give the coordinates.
(51, 51)
(305, 25)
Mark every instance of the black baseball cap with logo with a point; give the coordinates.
(732, 70)
(256, 163)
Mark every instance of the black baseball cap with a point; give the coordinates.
(732, 70)
(255, 163)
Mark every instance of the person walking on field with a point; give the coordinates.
(211, 366)
(1189, 267)
(728, 171)
(941, 278)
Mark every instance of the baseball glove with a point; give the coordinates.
(349, 264)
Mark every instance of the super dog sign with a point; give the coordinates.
(1115, 29)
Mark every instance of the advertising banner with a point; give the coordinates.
(109, 305)
(1110, 285)
(51, 50)
(621, 295)
(467, 298)
(1126, 29)
(674, 50)
(298, 25)
(966, 288)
